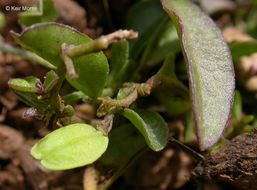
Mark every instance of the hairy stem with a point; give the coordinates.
(69, 51)
(143, 89)
(54, 97)
(100, 43)
(68, 62)
(123, 102)
(105, 125)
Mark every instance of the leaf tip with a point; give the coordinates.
(35, 153)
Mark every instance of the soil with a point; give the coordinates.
(235, 162)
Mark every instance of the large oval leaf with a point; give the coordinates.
(210, 69)
(69, 147)
(151, 125)
(46, 40)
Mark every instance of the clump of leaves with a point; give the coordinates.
(79, 60)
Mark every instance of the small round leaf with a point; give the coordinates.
(69, 147)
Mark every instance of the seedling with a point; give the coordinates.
(79, 60)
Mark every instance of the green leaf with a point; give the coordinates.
(247, 119)
(175, 100)
(119, 58)
(36, 83)
(237, 106)
(250, 21)
(145, 17)
(138, 15)
(125, 142)
(69, 147)
(172, 94)
(239, 49)
(22, 85)
(166, 42)
(189, 131)
(151, 125)
(92, 69)
(73, 97)
(127, 71)
(49, 38)
(50, 80)
(211, 72)
(167, 71)
(32, 100)
(49, 14)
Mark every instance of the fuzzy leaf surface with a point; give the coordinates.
(210, 69)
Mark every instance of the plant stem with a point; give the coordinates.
(105, 125)
(55, 98)
(144, 89)
(68, 62)
(123, 102)
(90, 178)
(70, 51)
(187, 149)
(100, 43)
(30, 56)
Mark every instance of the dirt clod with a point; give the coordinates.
(235, 162)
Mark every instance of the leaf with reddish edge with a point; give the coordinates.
(23, 85)
(46, 39)
(51, 79)
(210, 69)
